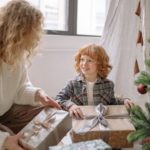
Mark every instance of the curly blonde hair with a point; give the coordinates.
(98, 54)
(20, 31)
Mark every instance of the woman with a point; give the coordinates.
(20, 101)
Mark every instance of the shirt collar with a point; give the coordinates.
(80, 77)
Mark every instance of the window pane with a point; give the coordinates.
(91, 17)
(3, 2)
(35, 3)
(56, 14)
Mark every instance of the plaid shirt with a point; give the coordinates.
(75, 92)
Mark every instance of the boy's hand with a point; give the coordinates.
(128, 103)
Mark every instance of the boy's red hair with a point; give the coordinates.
(98, 54)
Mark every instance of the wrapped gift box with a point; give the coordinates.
(115, 134)
(87, 145)
(46, 129)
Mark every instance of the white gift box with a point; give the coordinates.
(86, 145)
(46, 129)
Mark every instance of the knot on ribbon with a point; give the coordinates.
(38, 125)
(101, 111)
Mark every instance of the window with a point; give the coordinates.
(55, 13)
(72, 17)
(91, 17)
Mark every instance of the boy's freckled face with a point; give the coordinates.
(88, 66)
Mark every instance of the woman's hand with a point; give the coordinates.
(42, 97)
(128, 103)
(12, 142)
(76, 112)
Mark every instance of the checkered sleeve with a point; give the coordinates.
(114, 100)
(64, 96)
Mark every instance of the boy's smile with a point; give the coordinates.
(88, 66)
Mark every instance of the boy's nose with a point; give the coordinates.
(85, 62)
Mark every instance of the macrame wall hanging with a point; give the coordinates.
(139, 38)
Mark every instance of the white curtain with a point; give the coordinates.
(119, 39)
(146, 26)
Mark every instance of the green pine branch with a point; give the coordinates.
(147, 62)
(147, 106)
(141, 122)
(148, 40)
(137, 135)
(148, 88)
(143, 78)
(137, 112)
(146, 146)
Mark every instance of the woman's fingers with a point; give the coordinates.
(53, 103)
(45, 100)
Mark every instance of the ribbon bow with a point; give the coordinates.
(99, 118)
(38, 125)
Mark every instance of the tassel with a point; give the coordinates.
(140, 38)
(138, 10)
(136, 67)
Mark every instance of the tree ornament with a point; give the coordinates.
(142, 89)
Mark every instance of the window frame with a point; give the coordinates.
(72, 20)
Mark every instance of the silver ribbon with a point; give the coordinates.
(99, 118)
(38, 125)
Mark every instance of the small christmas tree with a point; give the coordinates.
(139, 118)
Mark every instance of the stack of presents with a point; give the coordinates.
(48, 128)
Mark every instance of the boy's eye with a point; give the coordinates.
(86, 60)
(89, 60)
(81, 60)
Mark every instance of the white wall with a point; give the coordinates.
(53, 66)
